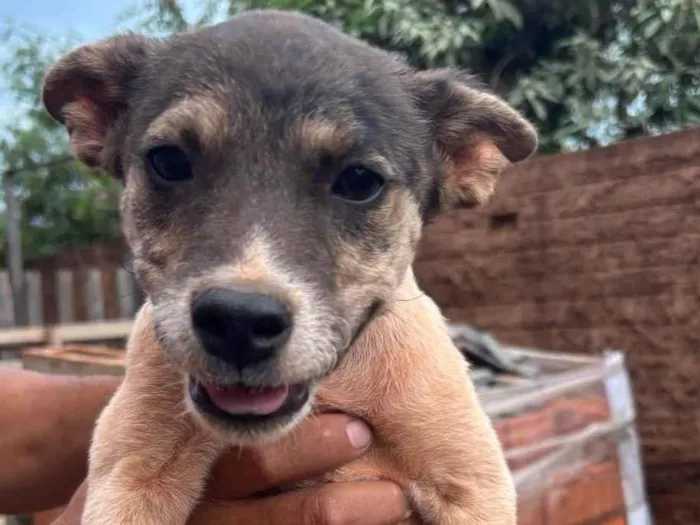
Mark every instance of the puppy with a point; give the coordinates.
(277, 177)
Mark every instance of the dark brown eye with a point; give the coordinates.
(168, 165)
(359, 185)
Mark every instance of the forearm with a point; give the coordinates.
(46, 422)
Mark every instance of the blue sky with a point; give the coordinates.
(90, 19)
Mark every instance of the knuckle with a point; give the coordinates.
(321, 508)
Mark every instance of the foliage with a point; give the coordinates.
(586, 72)
(63, 203)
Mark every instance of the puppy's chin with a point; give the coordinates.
(254, 426)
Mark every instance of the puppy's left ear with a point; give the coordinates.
(477, 133)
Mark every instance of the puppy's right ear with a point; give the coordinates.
(89, 91)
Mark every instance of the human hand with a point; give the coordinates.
(317, 446)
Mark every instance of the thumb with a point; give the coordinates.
(73, 513)
(359, 503)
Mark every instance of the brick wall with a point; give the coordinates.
(583, 251)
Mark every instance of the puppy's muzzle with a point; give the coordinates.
(241, 328)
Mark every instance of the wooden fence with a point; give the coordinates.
(73, 296)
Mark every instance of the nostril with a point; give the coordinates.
(270, 326)
(210, 320)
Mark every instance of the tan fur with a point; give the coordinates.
(467, 111)
(473, 170)
(204, 117)
(149, 458)
(316, 136)
(404, 376)
(409, 381)
(357, 278)
(87, 130)
(256, 268)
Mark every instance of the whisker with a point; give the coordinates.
(422, 294)
(128, 267)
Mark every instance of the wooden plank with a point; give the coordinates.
(74, 360)
(94, 299)
(7, 316)
(22, 336)
(35, 303)
(13, 247)
(661, 310)
(49, 289)
(109, 292)
(588, 260)
(64, 296)
(80, 310)
(676, 187)
(446, 240)
(72, 332)
(125, 293)
(94, 331)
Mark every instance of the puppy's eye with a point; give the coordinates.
(357, 184)
(168, 165)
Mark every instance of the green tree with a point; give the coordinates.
(63, 203)
(587, 72)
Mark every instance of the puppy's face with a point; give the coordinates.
(277, 176)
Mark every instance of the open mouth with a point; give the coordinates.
(237, 403)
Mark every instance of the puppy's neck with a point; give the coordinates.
(407, 290)
(410, 314)
(407, 344)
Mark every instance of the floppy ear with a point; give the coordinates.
(477, 133)
(89, 90)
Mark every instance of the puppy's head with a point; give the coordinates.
(277, 176)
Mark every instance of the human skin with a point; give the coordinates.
(45, 426)
(46, 434)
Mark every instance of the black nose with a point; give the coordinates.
(241, 328)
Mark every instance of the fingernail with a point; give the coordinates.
(359, 434)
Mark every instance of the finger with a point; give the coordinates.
(315, 447)
(359, 503)
(73, 513)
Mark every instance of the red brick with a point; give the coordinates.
(583, 497)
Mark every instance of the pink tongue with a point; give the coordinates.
(237, 400)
